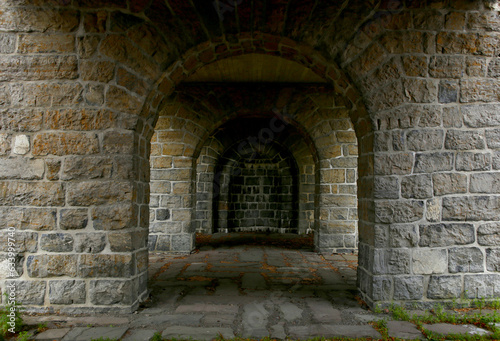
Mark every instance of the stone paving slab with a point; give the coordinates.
(404, 330)
(162, 319)
(359, 331)
(197, 333)
(203, 308)
(139, 335)
(447, 329)
(52, 334)
(89, 333)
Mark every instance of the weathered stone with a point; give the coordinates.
(90, 243)
(428, 261)
(31, 68)
(493, 259)
(21, 145)
(99, 193)
(392, 261)
(479, 90)
(24, 241)
(114, 217)
(39, 219)
(66, 143)
(448, 92)
(476, 66)
(493, 138)
(110, 292)
(125, 242)
(22, 168)
(118, 142)
(449, 183)
(382, 288)
(29, 292)
(444, 287)
(447, 66)
(426, 139)
(489, 234)
(100, 71)
(73, 219)
(21, 120)
(408, 288)
(452, 118)
(416, 187)
(67, 292)
(472, 208)
(465, 260)
(398, 211)
(5, 141)
(446, 234)
(39, 19)
(495, 160)
(482, 286)
(433, 212)
(7, 43)
(53, 169)
(393, 164)
(57, 242)
(481, 116)
(420, 90)
(46, 43)
(403, 236)
(485, 183)
(96, 265)
(494, 68)
(433, 162)
(162, 214)
(386, 187)
(469, 161)
(464, 140)
(182, 242)
(44, 266)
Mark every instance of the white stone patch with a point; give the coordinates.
(429, 262)
(21, 144)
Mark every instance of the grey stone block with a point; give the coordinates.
(444, 287)
(182, 242)
(403, 235)
(382, 288)
(425, 139)
(470, 161)
(489, 234)
(464, 140)
(88, 333)
(408, 288)
(485, 183)
(482, 286)
(471, 208)
(57, 242)
(28, 292)
(448, 91)
(197, 333)
(110, 292)
(446, 234)
(416, 187)
(433, 162)
(90, 242)
(465, 260)
(67, 292)
(391, 261)
(481, 116)
(398, 211)
(428, 261)
(493, 259)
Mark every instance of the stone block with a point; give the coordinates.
(73, 218)
(398, 211)
(403, 235)
(118, 142)
(46, 43)
(90, 242)
(433, 211)
(493, 138)
(67, 292)
(471, 208)
(448, 92)
(182, 242)
(449, 183)
(482, 286)
(447, 66)
(21, 145)
(5, 141)
(38, 219)
(89, 193)
(425, 140)
(416, 187)
(18, 120)
(464, 140)
(88, 167)
(53, 169)
(408, 288)
(392, 261)
(44, 266)
(57, 242)
(29, 292)
(393, 164)
(479, 90)
(465, 260)
(470, 161)
(429, 261)
(97, 265)
(31, 194)
(31, 68)
(420, 90)
(7, 43)
(24, 241)
(485, 183)
(436, 235)
(489, 234)
(65, 143)
(433, 162)
(493, 260)
(481, 115)
(97, 71)
(125, 242)
(444, 287)
(332, 176)
(382, 288)
(111, 292)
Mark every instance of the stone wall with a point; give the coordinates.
(85, 84)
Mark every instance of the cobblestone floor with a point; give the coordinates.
(233, 290)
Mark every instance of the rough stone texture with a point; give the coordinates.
(489, 234)
(109, 292)
(493, 259)
(29, 292)
(472, 208)
(57, 242)
(409, 288)
(67, 292)
(446, 234)
(442, 287)
(46, 266)
(428, 261)
(482, 286)
(465, 260)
